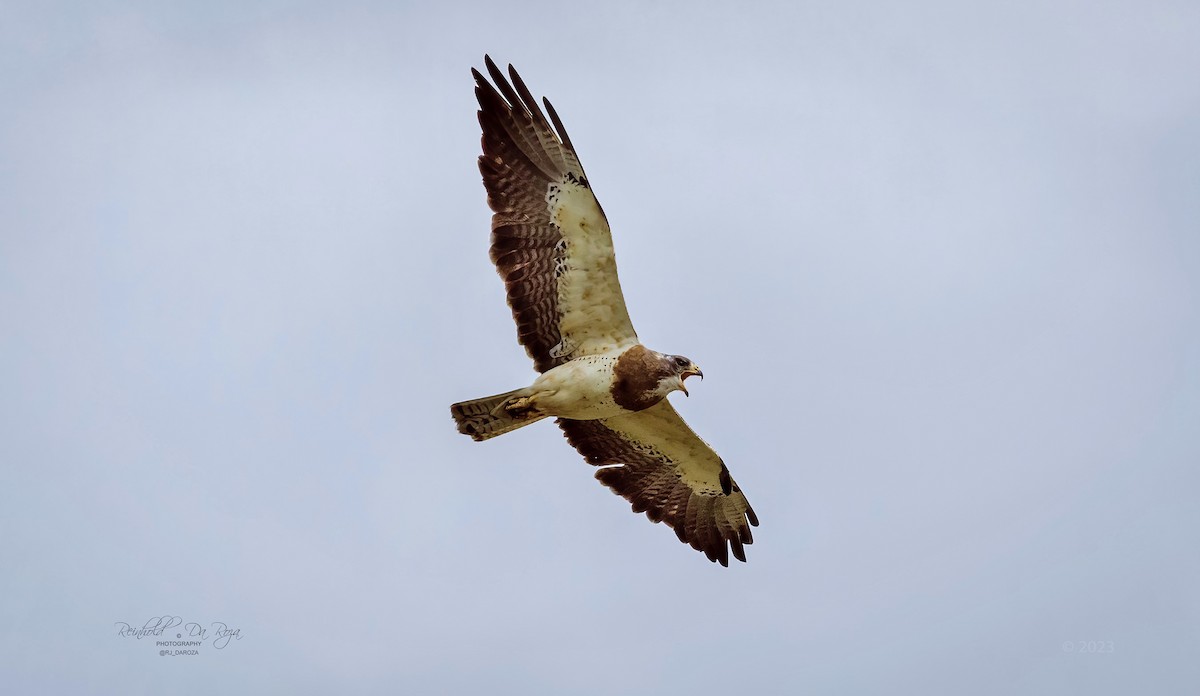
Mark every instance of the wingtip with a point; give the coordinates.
(738, 552)
(495, 72)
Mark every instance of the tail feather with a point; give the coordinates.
(486, 418)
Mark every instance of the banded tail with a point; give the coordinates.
(490, 416)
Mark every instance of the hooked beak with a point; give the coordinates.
(693, 370)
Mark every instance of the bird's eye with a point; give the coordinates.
(681, 361)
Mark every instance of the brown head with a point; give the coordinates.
(643, 377)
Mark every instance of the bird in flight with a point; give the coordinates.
(552, 246)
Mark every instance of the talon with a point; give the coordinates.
(519, 408)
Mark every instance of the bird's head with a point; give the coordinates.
(681, 369)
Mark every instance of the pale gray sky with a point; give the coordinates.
(939, 262)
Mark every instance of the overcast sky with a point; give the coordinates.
(940, 264)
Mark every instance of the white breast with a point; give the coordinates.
(580, 389)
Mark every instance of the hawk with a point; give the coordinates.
(552, 246)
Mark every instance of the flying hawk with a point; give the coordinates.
(552, 246)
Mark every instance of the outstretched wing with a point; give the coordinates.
(669, 473)
(550, 239)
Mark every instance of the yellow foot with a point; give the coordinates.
(520, 407)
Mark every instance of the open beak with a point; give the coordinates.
(693, 370)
